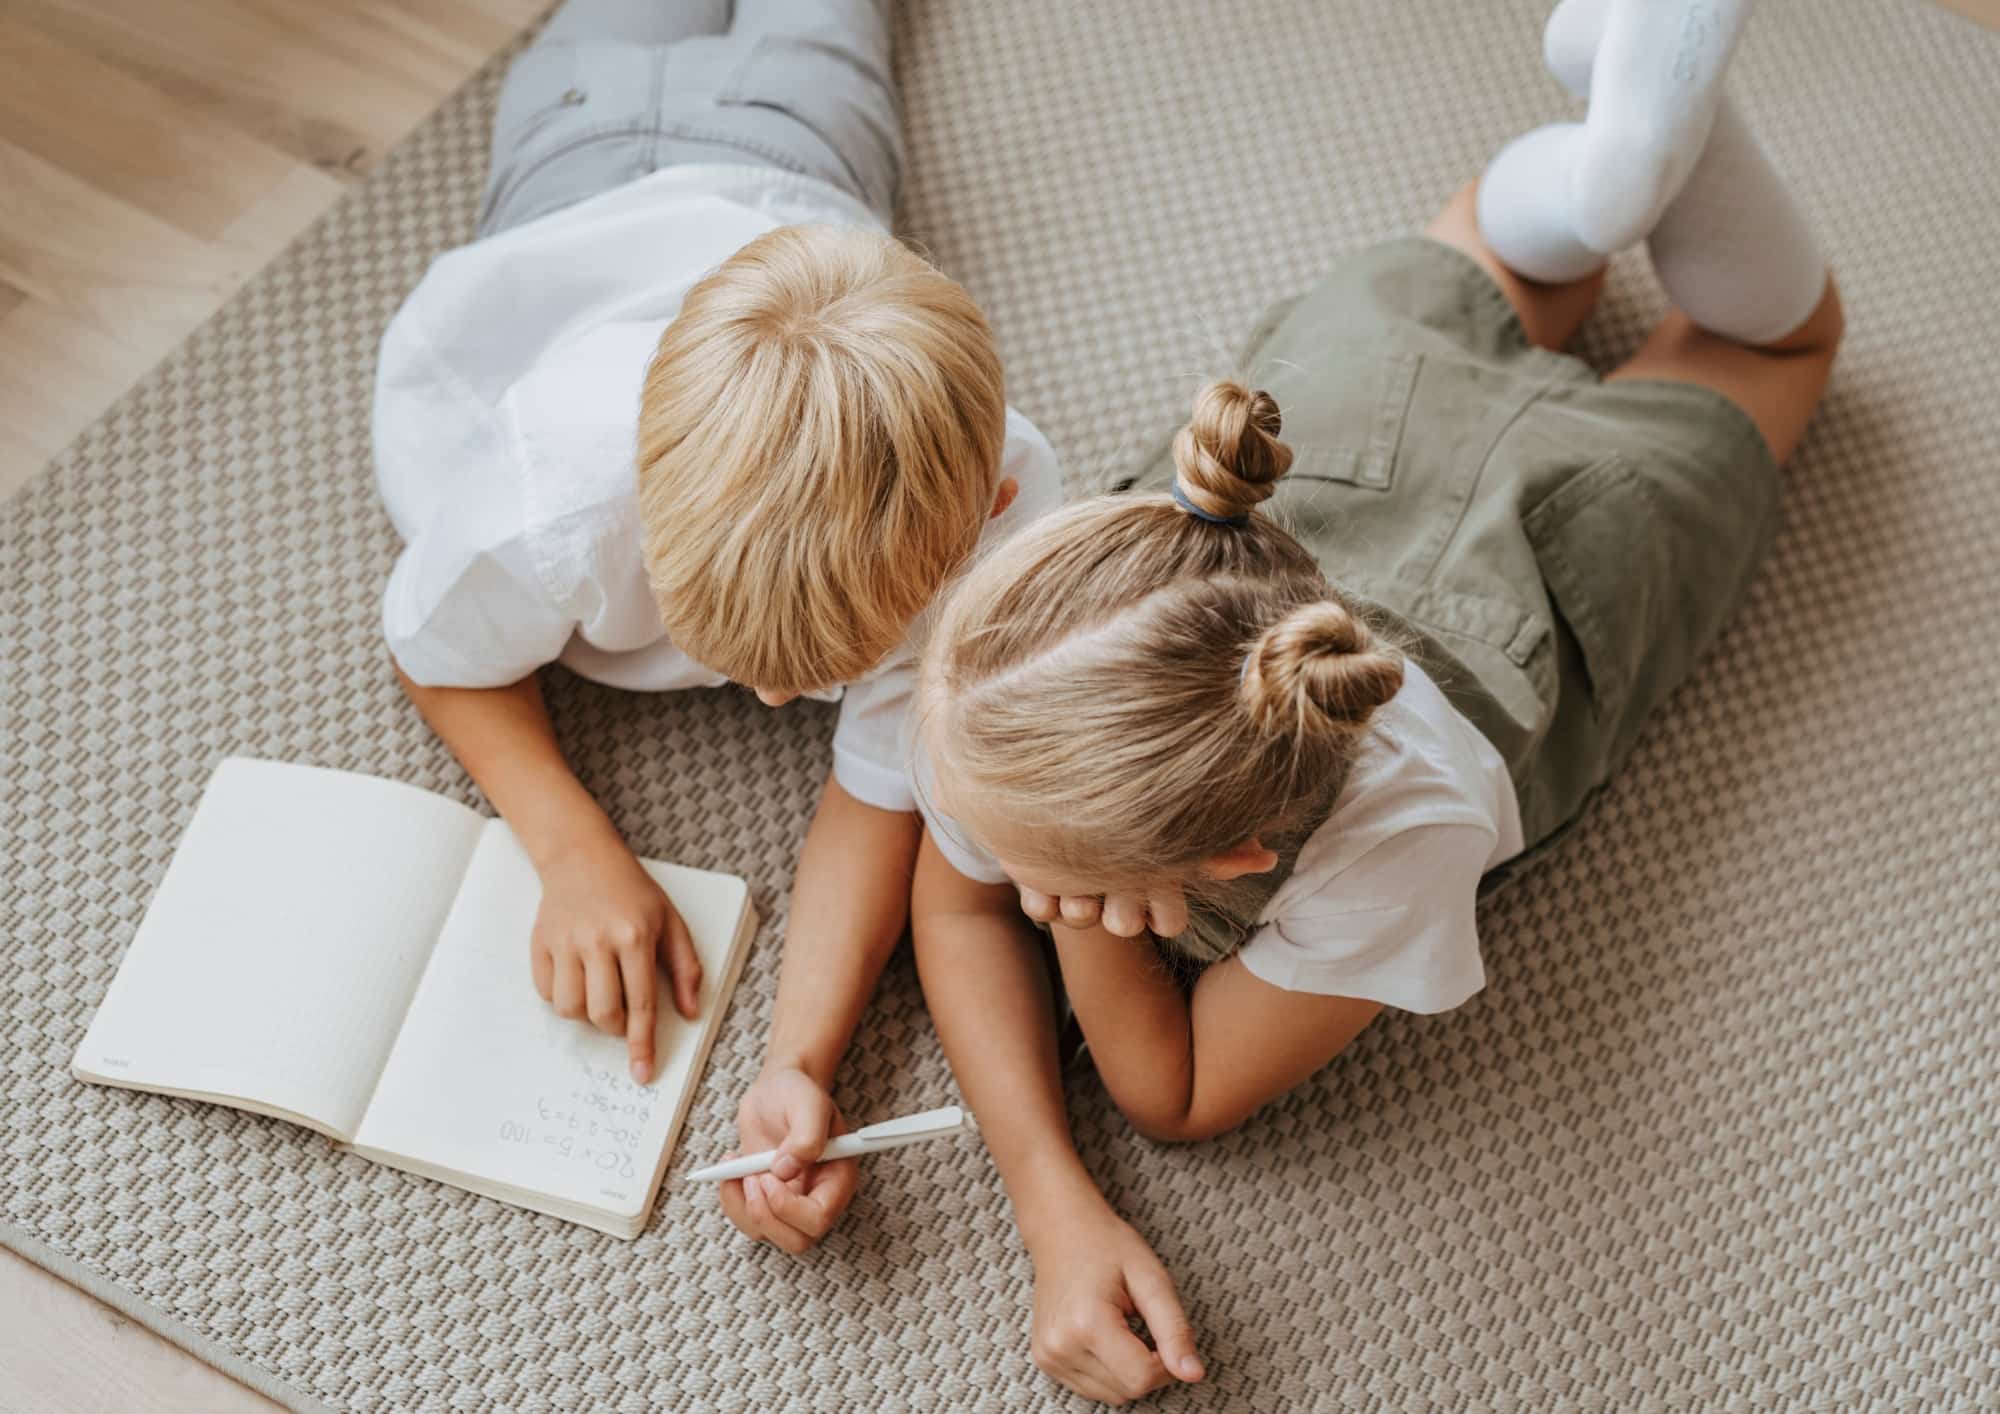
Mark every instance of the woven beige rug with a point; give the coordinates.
(1720, 1133)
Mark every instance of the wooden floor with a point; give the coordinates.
(62, 1352)
(154, 154)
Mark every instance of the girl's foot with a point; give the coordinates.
(1655, 83)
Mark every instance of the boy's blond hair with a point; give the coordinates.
(1132, 689)
(819, 442)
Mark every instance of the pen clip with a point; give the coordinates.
(929, 1122)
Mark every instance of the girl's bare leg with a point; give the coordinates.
(1551, 314)
(1778, 384)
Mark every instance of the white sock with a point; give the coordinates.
(1654, 88)
(1524, 207)
(1733, 250)
(1527, 210)
(1730, 246)
(1569, 42)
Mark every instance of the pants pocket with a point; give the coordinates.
(844, 109)
(546, 82)
(1605, 550)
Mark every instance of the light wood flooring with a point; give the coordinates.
(154, 154)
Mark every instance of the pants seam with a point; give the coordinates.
(653, 131)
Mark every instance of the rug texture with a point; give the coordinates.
(1720, 1133)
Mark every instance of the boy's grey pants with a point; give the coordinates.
(613, 90)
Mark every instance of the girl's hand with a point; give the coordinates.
(798, 1201)
(602, 926)
(1091, 1274)
(1163, 911)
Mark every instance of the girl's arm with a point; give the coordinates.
(988, 992)
(1185, 1066)
(849, 903)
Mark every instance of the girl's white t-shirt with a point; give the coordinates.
(505, 430)
(1380, 905)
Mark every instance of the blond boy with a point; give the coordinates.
(683, 415)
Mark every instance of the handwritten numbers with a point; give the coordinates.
(599, 1125)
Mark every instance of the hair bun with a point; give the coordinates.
(1318, 669)
(1228, 456)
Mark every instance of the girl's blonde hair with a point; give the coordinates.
(1126, 688)
(819, 445)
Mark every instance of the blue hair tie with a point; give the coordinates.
(1181, 500)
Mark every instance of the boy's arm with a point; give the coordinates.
(1185, 1066)
(988, 992)
(603, 920)
(849, 904)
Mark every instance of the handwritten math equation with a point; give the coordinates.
(598, 1122)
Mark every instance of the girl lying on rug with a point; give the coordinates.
(1498, 566)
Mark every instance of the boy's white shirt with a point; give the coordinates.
(505, 428)
(1381, 903)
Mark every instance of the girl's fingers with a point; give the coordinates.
(1152, 1291)
(1079, 910)
(1081, 1371)
(1124, 916)
(1090, 1381)
(1167, 909)
(1039, 906)
(1133, 1369)
(802, 1219)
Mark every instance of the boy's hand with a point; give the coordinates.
(798, 1201)
(1162, 911)
(604, 924)
(1091, 1274)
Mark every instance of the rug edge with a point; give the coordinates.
(169, 1328)
(56, 462)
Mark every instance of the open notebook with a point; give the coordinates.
(351, 954)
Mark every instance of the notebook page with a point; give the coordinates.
(281, 948)
(486, 1080)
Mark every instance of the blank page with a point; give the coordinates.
(486, 1080)
(282, 947)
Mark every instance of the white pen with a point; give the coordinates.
(889, 1134)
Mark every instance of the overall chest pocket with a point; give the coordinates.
(1345, 420)
(1398, 495)
(1394, 490)
(1344, 412)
